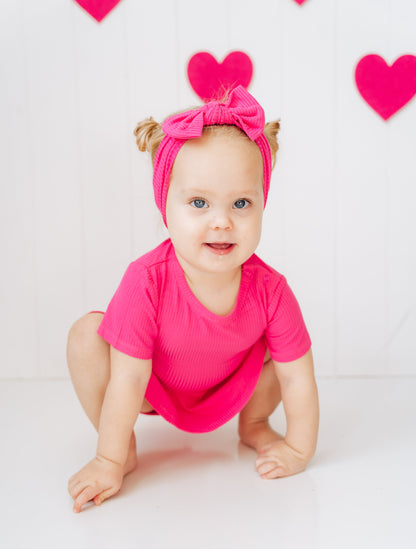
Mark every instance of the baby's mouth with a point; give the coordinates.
(220, 248)
(219, 245)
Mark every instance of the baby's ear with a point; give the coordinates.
(271, 129)
(149, 134)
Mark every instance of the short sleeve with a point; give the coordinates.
(286, 334)
(129, 324)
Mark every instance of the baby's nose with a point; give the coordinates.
(221, 219)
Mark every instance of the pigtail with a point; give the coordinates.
(149, 135)
(271, 130)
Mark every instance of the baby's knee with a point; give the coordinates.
(83, 333)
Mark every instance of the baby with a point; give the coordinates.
(199, 329)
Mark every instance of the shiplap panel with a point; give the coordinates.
(401, 223)
(307, 167)
(152, 71)
(102, 88)
(18, 320)
(53, 133)
(362, 195)
(262, 44)
(199, 28)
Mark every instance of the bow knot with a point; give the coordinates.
(241, 109)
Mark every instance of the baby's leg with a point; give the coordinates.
(88, 358)
(254, 429)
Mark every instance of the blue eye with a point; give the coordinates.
(199, 203)
(240, 204)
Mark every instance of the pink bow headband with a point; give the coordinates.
(241, 110)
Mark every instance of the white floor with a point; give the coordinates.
(202, 490)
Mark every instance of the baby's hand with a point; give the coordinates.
(279, 460)
(98, 480)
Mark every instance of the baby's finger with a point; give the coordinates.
(74, 487)
(266, 467)
(73, 481)
(268, 458)
(105, 495)
(276, 472)
(84, 497)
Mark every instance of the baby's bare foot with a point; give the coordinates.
(131, 462)
(258, 434)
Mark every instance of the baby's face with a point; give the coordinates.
(215, 202)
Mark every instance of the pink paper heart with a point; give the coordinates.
(300, 2)
(98, 8)
(386, 88)
(211, 79)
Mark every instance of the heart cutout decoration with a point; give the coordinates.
(98, 8)
(386, 88)
(210, 79)
(300, 2)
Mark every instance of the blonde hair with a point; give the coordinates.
(149, 135)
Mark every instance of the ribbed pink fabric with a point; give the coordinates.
(241, 110)
(204, 366)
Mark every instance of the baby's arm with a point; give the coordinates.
(102, 477)
(300, 402)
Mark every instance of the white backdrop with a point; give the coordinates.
(76, 195)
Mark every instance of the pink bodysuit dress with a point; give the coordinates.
(205, 367)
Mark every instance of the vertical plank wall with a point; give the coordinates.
(76, 202)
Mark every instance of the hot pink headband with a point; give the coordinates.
(241, 110)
